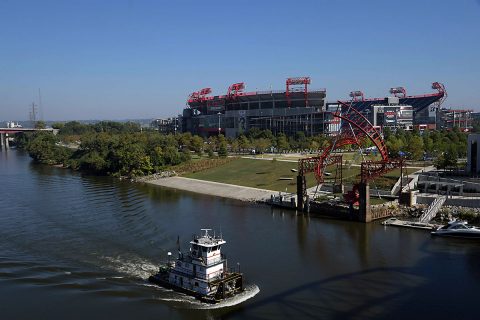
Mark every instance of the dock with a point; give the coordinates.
(411, 224)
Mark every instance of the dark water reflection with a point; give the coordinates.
(78, 246)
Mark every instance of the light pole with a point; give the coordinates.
(219, 123)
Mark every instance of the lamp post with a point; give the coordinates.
(219, 123)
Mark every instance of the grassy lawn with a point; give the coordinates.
(267, 174)
(263, 174)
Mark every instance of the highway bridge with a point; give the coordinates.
(5, 132)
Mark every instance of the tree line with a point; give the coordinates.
(124, 149)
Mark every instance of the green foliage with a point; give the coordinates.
(415, 147)
(40, 124)
(444, 146)
(282, 143)
(58, 125)
(197, 145)
(210, 150)
(43, 149)
(171, 155)
(261, 144)
(244, 143)
(222, 147)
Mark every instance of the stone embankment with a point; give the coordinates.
(155, 176)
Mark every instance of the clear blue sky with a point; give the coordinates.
(139, 59)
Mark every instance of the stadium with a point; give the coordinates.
(297, 108)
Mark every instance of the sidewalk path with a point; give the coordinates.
(215, 188)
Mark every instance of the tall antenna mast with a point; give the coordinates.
(40, 105)
(33, 113)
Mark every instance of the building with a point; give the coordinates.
(391, 116)
(473, 152)
(166, 126)
(450, 118)
(299, 109)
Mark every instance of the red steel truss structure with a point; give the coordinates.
(441, 91)
(199, 96)
(305, 81)
(235, 90)
(399, 92)
(357, 96)
(355, 129)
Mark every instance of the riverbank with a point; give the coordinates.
(218, 189)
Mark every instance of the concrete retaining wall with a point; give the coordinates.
(458, 201)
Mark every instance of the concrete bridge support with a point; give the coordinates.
(364, 203)
(4, 141)
(300, 191)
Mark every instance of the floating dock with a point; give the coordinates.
(411, 224)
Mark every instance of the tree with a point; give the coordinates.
(58, 125)
(40, 124)
(394, 146)
(243, 143)
(282, 143)
(210, 150)
(157, 159)
(261, 144)
(171, 156)
(42, 148)
(197, 145)
(235, 147)
(451, 156)
(415, 147)
(222, 148)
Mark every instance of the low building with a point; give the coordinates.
(473, 152)
(450, 118)
(166, 126)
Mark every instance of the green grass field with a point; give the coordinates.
(263, 174)
(273, 175)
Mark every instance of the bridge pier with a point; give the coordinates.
(300, 191)
(3, 141)
(7, 144)
(365, 212)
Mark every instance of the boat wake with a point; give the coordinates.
(249, 292)
(186, 301)
(138, 268)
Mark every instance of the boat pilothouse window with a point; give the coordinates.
(459, 226)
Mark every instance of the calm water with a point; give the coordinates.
(77, 247)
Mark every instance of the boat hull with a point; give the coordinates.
(161, 279)
(462, 235)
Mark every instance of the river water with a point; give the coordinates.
(74, 246)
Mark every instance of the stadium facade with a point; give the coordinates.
(295, 109)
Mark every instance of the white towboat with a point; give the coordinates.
(202, 272)
(457, 229)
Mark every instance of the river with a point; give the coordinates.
(74, 246)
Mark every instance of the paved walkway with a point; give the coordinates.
(215, 188)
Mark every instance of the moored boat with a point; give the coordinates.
(202, 272)
(458, 229)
